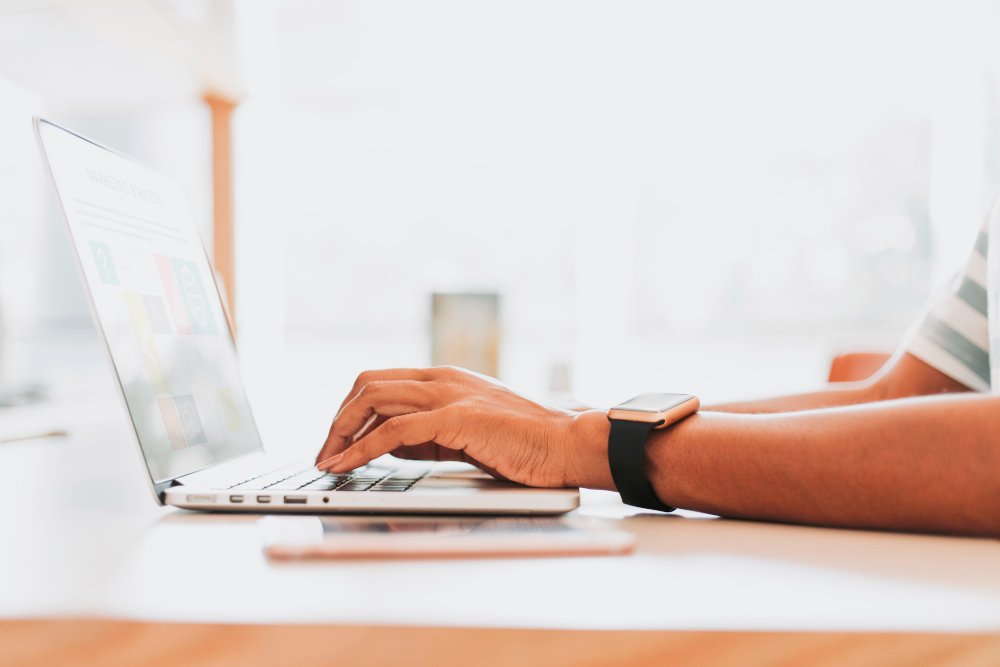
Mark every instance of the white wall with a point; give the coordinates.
(711, 196)
(708, 196)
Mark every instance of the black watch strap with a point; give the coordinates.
(627, 457)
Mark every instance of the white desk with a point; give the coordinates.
(81, 537)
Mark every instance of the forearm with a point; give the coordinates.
(903, 376)
(918, 464)
(835, 395)
(927, 464)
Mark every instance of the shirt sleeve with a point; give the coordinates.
(952, 334)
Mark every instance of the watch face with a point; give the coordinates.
(653, 402)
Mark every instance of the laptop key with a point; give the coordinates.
(312, 479)
(326, 484)
(262, 482)
(413, 476)
(317, 486)
(356, 486)
(297, 481)
(282, 475)
(338, 479)
(269, 478)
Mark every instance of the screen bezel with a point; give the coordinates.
(158, 485)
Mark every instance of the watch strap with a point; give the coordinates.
(627, 458)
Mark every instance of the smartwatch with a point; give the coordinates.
(631, 423)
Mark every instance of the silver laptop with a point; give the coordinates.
(155, 301)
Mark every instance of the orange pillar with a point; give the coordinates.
(223, 259)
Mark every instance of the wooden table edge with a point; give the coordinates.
(111, 642)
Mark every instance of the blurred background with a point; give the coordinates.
(710, 197)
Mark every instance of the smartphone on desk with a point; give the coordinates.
(291, 537)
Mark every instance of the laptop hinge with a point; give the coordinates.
(160, 487)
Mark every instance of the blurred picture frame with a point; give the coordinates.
(465, 331)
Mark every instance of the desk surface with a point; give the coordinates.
(81, 536)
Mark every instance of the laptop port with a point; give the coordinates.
(236, 499)
(295, 500)
(263, 499)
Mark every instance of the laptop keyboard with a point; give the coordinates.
(310, 479)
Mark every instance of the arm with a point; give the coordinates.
(930, 464)
(902, 376)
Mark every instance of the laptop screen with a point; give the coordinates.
(156, 303)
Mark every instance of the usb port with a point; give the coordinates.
(263, 499)
(236, 499)
(295, 500)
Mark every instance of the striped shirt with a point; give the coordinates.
(955, 330)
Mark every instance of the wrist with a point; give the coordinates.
(587, 451)
(668, 460)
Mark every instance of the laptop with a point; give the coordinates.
(156, 303)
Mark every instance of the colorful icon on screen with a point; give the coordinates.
(190, 420)
(173, 295)
(105, 265)
(195, 297)
(230, 411)
(156, 312)
(144, 336)
(172, 422)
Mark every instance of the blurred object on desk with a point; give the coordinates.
(11, 396)
(311, 537)
(36, 420)
(18, 437)
(560, 388)
(13, 393)
(465, 331)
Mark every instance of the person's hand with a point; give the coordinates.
(452, 414)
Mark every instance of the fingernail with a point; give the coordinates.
(330, 462)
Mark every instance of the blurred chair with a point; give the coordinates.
(854, 366)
